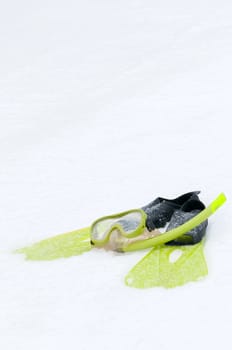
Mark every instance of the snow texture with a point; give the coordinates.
(105, 105)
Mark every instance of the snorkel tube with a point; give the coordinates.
(179, 231)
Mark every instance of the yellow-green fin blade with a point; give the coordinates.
(169, 267)
(61, 246)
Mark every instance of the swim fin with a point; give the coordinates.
(159, 267)
(60, 246)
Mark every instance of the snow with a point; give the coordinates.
(105, 105)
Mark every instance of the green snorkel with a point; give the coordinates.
(179, 231)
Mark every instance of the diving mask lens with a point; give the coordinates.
(128, 224)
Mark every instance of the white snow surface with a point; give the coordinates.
(105, 105)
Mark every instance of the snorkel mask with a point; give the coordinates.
(137, 229)
(115, 231)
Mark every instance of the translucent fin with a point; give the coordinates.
(60, 246)
(160, 268)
